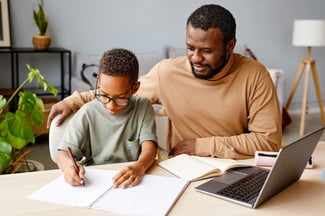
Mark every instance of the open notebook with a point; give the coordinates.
(196, 168)
(155, 195)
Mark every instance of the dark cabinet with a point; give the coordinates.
(62, 54)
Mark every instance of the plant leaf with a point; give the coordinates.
(3, 102)
(16, 128)
(5, 160)
(36, 74)
(5, 154)
(38, 112)
(5, 146)
(19, 130)
(40, 20)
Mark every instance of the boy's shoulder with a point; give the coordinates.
(93, 104)
(141, 101)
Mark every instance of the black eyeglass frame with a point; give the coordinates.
(115, 100)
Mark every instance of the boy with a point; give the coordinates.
(116, 127)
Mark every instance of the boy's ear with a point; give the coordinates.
(136, 86)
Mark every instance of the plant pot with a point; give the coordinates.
(41, 42)
(30, 166)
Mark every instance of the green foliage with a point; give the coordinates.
(40, 20)
(16, 128)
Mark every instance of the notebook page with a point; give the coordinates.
(185, 166)
(58, 191)
(222, 164)
(155, 195)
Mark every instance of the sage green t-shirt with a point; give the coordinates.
(97, 137)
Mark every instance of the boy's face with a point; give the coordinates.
(116, 87)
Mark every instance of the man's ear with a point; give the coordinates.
(231, 45)
(136, 86)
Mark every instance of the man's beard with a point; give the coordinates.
(206, 76)
(212, 72)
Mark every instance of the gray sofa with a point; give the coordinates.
(148, 59)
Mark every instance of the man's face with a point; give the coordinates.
(206, 51)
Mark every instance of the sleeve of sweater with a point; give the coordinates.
(77, 99)
(149, 86)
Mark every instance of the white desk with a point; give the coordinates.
(306, 197)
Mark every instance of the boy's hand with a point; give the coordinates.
(129, 176)
(72, 177)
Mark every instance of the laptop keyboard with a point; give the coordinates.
(246, 189)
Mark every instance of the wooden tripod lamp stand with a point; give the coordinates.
(308, 33)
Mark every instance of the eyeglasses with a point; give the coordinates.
(119, 101)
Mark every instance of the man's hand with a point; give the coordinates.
(62, 108)
(184, 147)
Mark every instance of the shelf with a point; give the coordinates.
(33, 50)
(65, 58)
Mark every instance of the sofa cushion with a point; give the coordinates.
(84, 58)
(174, 52)
(89, 74)
(148, 59)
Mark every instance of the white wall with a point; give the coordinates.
(93, 26)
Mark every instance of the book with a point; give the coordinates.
(154, 195)
(194, 168)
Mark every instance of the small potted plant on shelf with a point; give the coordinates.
(41, 41)
(16, 127)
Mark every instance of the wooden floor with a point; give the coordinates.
(291, 132)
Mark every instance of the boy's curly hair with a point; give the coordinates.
(120, 62)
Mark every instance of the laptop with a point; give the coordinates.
(252, 186)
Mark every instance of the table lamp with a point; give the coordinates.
(308, 33)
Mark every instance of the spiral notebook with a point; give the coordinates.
(99, 193)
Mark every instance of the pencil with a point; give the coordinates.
(76, 167)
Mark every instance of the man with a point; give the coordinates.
(219, 103)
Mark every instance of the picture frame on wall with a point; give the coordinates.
(5, 40)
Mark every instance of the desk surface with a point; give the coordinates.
(305, 197)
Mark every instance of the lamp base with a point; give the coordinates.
(307, 64)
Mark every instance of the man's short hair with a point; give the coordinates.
(214, 16)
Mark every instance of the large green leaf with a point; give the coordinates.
(5, 160)
(5, 154)
(5, 146)
(19, 130)
(26, 102)
(32, 106)
(38, 112)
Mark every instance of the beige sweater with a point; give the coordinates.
(231, 115)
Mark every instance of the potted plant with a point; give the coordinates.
(16, 127)
(41, 41)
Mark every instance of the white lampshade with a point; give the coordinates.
(308, 33)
